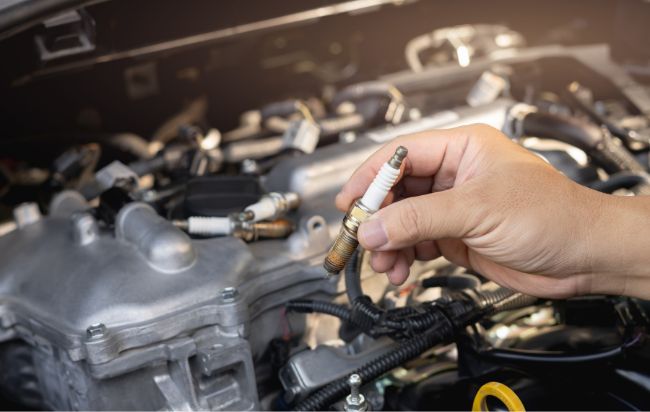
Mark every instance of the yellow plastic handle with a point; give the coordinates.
(499, 391)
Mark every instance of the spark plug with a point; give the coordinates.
(346, 242)
(231, 226)
(270, 207)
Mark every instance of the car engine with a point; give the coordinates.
(163, 236)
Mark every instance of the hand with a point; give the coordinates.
(483, 202)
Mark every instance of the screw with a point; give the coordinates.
(229, 294)
(96, 331)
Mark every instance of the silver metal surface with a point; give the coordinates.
(26, 214)
(165, 301)
(311, 369)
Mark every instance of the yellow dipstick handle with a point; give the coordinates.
(499, 391)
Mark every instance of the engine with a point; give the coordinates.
(185, 270)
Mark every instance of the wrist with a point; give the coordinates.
(619, 253)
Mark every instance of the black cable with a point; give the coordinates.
(545, 357)
(317, 306)
(374, 369)
(528, 356)
(435, 323)
(456, 282)
(353, 276)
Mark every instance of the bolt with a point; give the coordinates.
(355, 401)
(96, 331)
(229, 294)
(354, 381)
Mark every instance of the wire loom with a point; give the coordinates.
(417, 329)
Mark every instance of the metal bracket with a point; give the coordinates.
(67, 34)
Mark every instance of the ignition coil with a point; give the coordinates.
(346, 242)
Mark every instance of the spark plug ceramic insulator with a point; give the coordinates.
(346, 242)
(210, 226)
(271, 207)
(229, 226)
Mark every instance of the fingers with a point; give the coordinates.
(400, 272)
(382, 262)
(427, 151)
(396, 264)
(414, 220)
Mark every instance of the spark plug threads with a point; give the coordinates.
(346, 241)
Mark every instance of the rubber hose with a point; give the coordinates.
(363, 90)
(374, 369)
(280, 109)
(144, 167)
(318, 306)
(576, 132)
(621, 180)
(521, 356)
(130, 143)
(584, 135)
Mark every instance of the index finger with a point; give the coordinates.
(427, 152)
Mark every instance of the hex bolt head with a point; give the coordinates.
(96, 331)
(229, 294)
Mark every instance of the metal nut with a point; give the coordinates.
(96, 331)
(229, 294)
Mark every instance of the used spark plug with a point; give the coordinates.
(270, 207)
(346, 242)
(231, 226)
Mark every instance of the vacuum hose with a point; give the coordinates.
(593, 140)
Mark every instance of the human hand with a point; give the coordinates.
(483, 202)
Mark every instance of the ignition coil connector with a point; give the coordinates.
(346, 242)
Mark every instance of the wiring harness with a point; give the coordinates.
(416, 328)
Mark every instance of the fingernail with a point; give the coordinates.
(372, 234)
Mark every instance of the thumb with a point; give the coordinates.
(415, 219)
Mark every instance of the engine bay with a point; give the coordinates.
(163, 237)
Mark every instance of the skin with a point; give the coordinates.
(472, 195)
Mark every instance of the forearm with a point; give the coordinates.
(620, 246)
